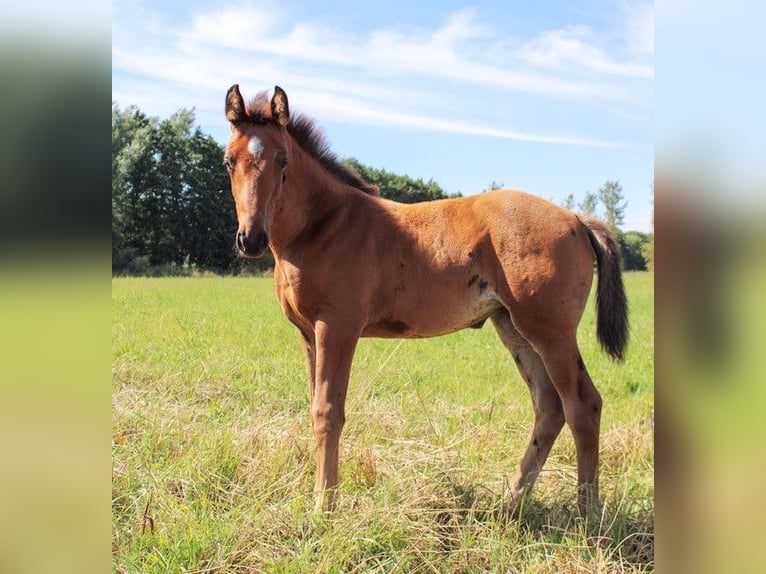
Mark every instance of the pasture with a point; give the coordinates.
(213, 454)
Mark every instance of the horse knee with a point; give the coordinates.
(545, 433)
(588, 398)
(584, 419)
(555, 419)
(596, 403)
(328, 420)
(591, 404)
(548, 409)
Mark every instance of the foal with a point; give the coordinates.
(350, 264)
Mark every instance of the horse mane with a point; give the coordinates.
(310, 138)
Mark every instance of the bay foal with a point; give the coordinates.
(350, 264)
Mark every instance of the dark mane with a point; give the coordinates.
(311, 140)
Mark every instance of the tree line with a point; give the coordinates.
(608, 203)
(172, 210)
(171, 206)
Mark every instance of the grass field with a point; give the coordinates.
(213, 455)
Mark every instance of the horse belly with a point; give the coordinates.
(434, 313)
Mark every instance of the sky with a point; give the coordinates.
(552, 97)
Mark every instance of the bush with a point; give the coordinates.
(631, 250)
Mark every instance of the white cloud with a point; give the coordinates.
(240, 28)
(626, 51)
(460, 26)
(321, 65)
(569, 48)
(356, 110)
(457, 51)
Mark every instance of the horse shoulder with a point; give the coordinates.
(291, 293)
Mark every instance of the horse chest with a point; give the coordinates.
(305, 297)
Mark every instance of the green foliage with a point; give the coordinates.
(493, 185)
(647, 250)
(397, 187)
(589, 204)
(213, 454)
(611, 197)
(632, 249)
(170, 197)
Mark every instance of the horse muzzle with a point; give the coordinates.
(251, 246)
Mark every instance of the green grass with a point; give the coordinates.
(213, 455)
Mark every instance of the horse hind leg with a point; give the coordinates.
(549, 414)
(582, 410)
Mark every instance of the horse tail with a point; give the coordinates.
(611, 303)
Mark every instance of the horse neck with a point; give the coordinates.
(309, 196)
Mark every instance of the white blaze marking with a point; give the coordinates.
(255, 146)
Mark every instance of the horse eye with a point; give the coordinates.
(228, 164)
(282, 163)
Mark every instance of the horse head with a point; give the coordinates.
(257, 158)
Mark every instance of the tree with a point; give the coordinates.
(632, 246)
(210, 216)
(170, 200)
(648, 249)
(399, 187)
(132, 136)
(589, 204)
(611, 196)
(569, 202)
(170, 233)
(494, 185)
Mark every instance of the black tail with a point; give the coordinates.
(611, 303)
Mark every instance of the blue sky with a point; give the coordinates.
(550, 97)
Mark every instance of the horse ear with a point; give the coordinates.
(280, 111)
(235, 106)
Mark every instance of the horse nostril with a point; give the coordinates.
(252, 245)
(241, 241)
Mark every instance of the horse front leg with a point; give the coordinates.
(334, 353)
(309, 351)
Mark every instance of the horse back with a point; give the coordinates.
(451, 264)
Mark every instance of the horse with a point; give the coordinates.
(351, 264)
